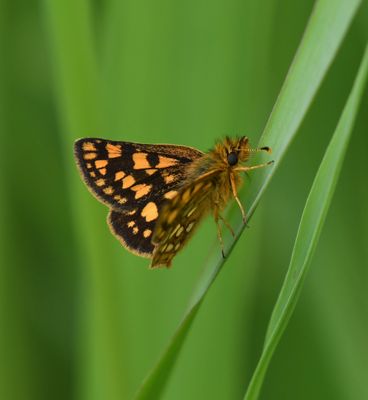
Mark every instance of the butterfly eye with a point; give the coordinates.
(232, 158)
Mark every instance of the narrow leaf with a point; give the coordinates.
(310, 227)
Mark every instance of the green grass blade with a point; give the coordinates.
(310, 227)
(328, 24)
(324, 34)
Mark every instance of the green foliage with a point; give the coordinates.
(79, 316)
(310, 227)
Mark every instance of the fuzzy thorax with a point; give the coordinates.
(218, 167)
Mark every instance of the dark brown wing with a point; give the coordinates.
(135, 229)
(133, 180)
(124, 174)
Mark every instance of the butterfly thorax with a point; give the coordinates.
(214, 168)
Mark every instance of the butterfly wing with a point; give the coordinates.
(133, 231)
(124, 174)
(133, 180)
(178, 219)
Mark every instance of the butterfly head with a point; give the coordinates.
(235, 151)
(232, 151)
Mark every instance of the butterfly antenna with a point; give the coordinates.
(258, 149)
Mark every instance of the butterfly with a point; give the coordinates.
(158, 193)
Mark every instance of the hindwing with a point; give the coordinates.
(179, 218)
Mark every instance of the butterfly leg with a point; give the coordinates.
(235, 194)
(219, 235)
(228, 226)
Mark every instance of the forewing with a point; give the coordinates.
(134, 180)
(124, 175)
(178, 219)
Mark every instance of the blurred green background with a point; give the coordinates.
(80, 317)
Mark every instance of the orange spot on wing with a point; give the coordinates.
(151, 171)
(140, 161)
(100, 182)
(88, 146)
(119, 199)
(101, 163)
(128, 182)
(150, 211)
(164, 162)
(147, 233)
(169, 178)
(89, 156)
(103, 171)
(119, 175)
(113, 150)
(141, 190)
(171, 194)
(186, 196)
(108, 190)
